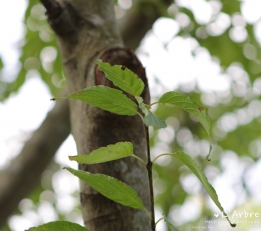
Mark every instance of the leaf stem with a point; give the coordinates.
(147, 213)
(141, 160)
(159, 221)
(149, 169)
(158, 157)
(140, 116)
(154, 103)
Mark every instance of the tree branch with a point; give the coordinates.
(139, 20)
(62, 17)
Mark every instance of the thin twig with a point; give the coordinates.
(149, 169)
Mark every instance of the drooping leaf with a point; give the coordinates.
(184, 102)
(153, 120)
(59, 226)
(170, 225)
(106, 98)
(110, 188)
(192, 165)
(104, 154)
(123, 78)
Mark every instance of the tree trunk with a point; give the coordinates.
(86, 31)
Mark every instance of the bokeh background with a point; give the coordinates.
(209, 50)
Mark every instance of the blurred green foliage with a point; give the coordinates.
(39, 51)
(228, 52)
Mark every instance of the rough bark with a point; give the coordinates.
(91, 32)
(56, 126)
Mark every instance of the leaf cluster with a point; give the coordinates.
(116, 101)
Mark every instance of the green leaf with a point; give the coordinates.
(106, 98)
(122, 77)
(110, 188)
(59, 226)
(104, 154)
(192, 165)
(170, 225)
(184, 102)
(153, 120)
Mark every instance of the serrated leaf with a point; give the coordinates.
(192, 165)
(170, 225)
(153, 120)
(104, 154)
(122, 77)
(110, 188)
(59, 226)
(106, 98)
(185, 103)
